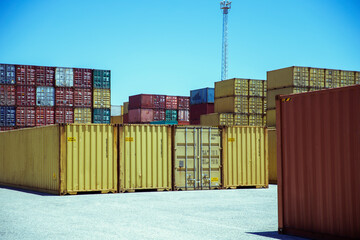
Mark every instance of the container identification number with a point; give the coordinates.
(71, 139)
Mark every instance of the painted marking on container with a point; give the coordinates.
(286, 99)
(214, 179)
(129, 139)
(54, 176)
(231, 140)
(71, 139)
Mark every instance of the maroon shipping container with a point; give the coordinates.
(25, 75)
(45, 76)
(64, 97)
(126, 118)
(194, 122)
(141, 101)
(159, 101)
(7, 95)
(183, 123)
(183, 102)
(171, 102)
(318, 157)
(83, 97)
(141, 115)
(159, 114)
(25, 96)
(82, 78)
(199, 109)
(183, 115)
(64, 115)
(6, 128)
(25, 116)
(45, 116)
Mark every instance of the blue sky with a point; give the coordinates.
(172, 47)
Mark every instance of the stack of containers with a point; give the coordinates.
(83, 82)
(171, 108)
(126, 112)
(7, 97)
(201, 102)
(141, 108)
(64, 95)
(101, 96)
(183, 106)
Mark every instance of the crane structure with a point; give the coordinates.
(225, 6)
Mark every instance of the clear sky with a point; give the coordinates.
(171, 47)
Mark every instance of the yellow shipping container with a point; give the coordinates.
(101, 98)
(271, 117)
(126, 107)
(82, 115)
(332, 78)
(232, 104)
(317, 78)
(241, 119)
(217, 119)
(288, 77)
(197, 158)
(232, 87)
(357, 77)
(60, 159)
(116, 119)
(145, 157)
(347, 78)
(272, 155)
(256, 120)
(256, 88)
(256, 105)
(282, 91)
(245, 157)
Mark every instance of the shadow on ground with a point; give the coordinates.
(276, 235)
(29, 191)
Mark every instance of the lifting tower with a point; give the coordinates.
(225, 6)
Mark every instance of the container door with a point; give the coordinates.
(197, 158)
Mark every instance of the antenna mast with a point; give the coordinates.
(225, 6)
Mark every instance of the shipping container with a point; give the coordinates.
(25, 116)
(256, 88)
(126, 118)
(144, 157)
(45, 96)
(271, 117)
(7, 74)
(241, 119)
(171, 115)
(45, 116)
(318, 163)
(183, 115)
(101, 79)
(232, 87)
(83, 97)
(204, 95)
(171, 102)
(7, 95)
(25, 96)
(159, 115)
(282, 91)
(272, 155)
(288, 77)
(82, 78)
(332, 78)
(60, 159)
(101, 115)
(82, 115)
(64, 115)
(197, 158)
(117, 119)
(165, 122)
(256, 105)
(197, 110)
(64, 97)
(45, 76)
(245, 159)
(141, 115)
(183, 102)
(183, 123)
(317, 78)
(64, 77)
(256, 120)
(159, 101)
(194, 122)
(232, 104)
(347, 78)
(101, 98)
(217, 119)
(25, 75)
(357, 77)
(126, 107)
(7, 116)
(2, 129)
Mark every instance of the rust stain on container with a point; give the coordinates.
(318, 158)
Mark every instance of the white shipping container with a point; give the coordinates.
(183, 115)
(45, 96)
(64, 77)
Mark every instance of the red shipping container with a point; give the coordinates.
(141, 115)
(6, 128)
(194, 122)
(45, 76)
(199, 109)
(159, 101)
(25, 75)
(171, 102)
(183, 102)
(126, 118)
(183, 123)
(45, 116)
(64, 115)
(318, 159)
(183, 115)
(25, 116)
(83, 97)
(25, 96)
(159, 114)
(141, 101)
(82, 78)
(64, 97)
(7, 95)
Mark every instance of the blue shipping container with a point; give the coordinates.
(7, 74)
(165, 122)
(101, 115)
(101, 79)
(204, 95)
(7, 116)
(171, 115)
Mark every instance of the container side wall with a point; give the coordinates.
(272, 155)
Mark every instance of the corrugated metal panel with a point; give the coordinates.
(217, 119)
(91, 158)
(82, 115)
(171, 102)
(159, 114)
(183, 102)
(159, 101)
(197, 158)
(282, 91)
(272, 155)
(101, 98)
(64, 115)
(45, 96)
(232, 104)
(101, 115)
(204, 95)
(171, 115)
(29, 158)
(83, 78)
(45, 76)
(145, 157)
(126, 107)
(7, 74)
(64, 97)
(183, 115)
(318, 163)
(245, 158)
(25, 75)
(117, 119)
(256, 88)
(232, 87)
(256, 105)
(7, 95)
(142, 101)
(25, 96)
(141, 115)
(199, 109)
(101, 79)
(83, 97)
(64, 77)
(241, 119)
(25, 116)
(7, 116)
(271, 117)
(45, 116)
(288, 77)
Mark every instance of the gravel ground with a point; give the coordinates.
(216, 214)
